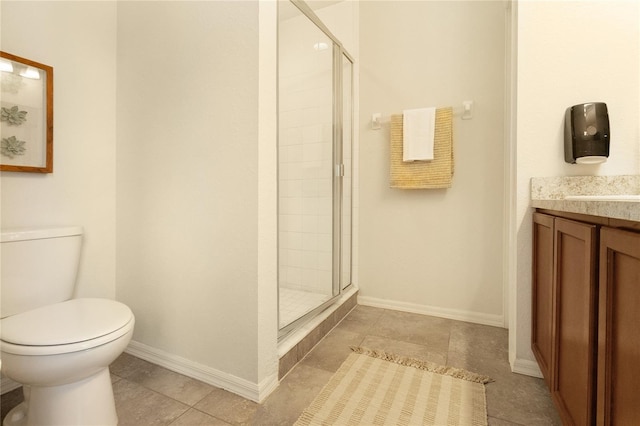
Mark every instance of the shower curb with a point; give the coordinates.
(304, 346)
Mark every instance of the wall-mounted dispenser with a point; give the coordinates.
(586, 133)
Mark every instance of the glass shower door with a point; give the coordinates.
(347, 165)
(305, 164)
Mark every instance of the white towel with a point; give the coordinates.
(418, 129)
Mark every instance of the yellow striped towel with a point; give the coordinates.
(436, 173)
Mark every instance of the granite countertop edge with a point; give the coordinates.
(548, 193)
(627, 210)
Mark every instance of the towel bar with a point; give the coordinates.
(465, 113)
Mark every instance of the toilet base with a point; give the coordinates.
(17, 416)
(87, 402)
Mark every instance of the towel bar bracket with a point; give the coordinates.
(467, 107)
(376, 121)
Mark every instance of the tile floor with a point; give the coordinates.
(147, 394)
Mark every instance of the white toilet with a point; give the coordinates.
(57, 347)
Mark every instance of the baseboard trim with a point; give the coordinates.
(455, 314)
(256, 392)
(526, 367)
(7, 385)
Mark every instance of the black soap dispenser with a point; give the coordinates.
(586, 133)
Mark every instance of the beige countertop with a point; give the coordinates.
(550, 193)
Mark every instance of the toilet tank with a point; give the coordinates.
(38, 267)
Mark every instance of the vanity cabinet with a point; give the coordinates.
(565, 313)
(574, 340)
(586, 316)
(619, 328)
(542, 293)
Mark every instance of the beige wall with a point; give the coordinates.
(78, 39)
(195, 173)
(434, 251)
(187, 181)
(569, 53)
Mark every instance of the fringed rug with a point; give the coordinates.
(376, 388)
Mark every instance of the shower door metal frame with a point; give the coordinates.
(338, 171)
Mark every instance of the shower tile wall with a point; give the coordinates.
(305, 160)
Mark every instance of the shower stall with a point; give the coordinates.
(315, 138)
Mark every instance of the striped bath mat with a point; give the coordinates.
(375, 388)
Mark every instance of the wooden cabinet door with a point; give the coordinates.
(542, 293)
(575, 322)
(619, 328)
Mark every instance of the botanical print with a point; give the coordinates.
(13, 115)
(11, 147)
(26, 120)
(20, 127)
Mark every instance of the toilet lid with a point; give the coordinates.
(68, 322)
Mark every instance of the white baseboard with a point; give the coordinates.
(7, 385)
(526, 367)
(242, 387)
(455, 314)
(256, 392)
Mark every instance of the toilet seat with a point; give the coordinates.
(69, 326)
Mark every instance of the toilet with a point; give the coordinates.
(59, 348)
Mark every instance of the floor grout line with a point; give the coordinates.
(288, 400)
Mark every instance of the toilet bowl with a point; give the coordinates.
(57, 347)
(61, 353)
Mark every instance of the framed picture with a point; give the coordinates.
(26, 115)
